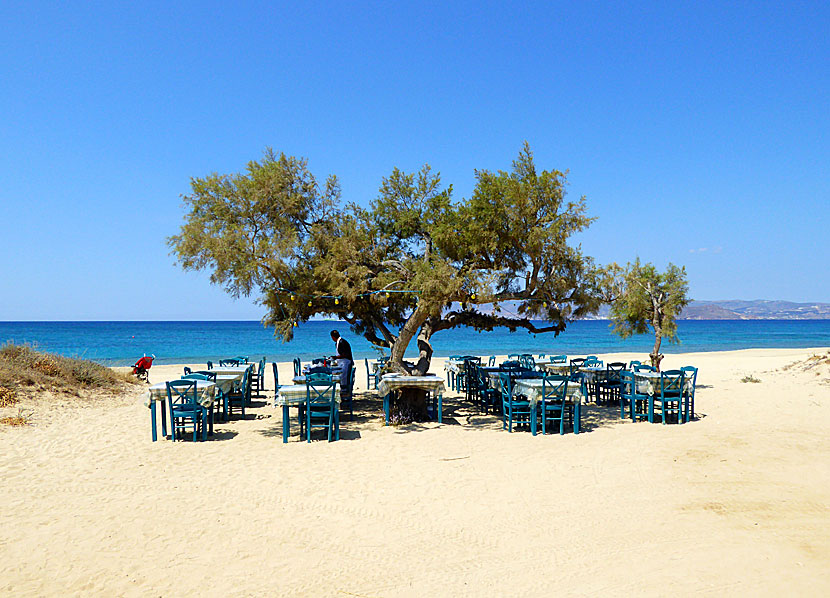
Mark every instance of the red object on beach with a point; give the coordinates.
(141, 366)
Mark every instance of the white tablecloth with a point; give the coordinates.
(205, 393)
(295, 394)
(648, 383)
(532, 389)
(395, 382)
(558, 368)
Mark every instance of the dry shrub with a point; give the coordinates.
(25, 370)
(21, 419)
(8, 396)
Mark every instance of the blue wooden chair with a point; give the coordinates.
(592, 363)
(185, 410)
(210, 365)
(644, 368)
(320, 410)
(297, 366)
(634, 362)
(258, 379)
(609, 389)
(488, 397)
(241, 396)
(670, 399)
(637, 403)
(277, 384)
(187, 370)
(559, 359)
(514, 409)
(241, 359)
(373, 379)
(554, 405)
(690, 373)
(200, 376)
(228, 362)
(575, 364)
(492, 361)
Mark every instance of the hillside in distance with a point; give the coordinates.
(735, 309)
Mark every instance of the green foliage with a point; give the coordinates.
(750, 379)
(647, 298)
(274, 233)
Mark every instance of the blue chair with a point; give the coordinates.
(592, 363)
(609, 389)
(554, 404)
(690, 373)
(633, 363)
(527, 361)
(208, 377)
(320, 409)
(297, 366)
(670, 399)
(559, 359)
(488, 397)
(228, 362)
(185, 410)
(241, 359)
(277, 384)
(187, 370)
(644, 368)
(373, 379)
(575, 364)
(514, 409)
(492, 361)
(637, 403)
(258, 379)
(241, 396)
(210, 365)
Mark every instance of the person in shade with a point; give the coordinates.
(344, 359)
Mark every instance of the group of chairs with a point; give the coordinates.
(670, 397)
(552, 407)
(187, 413)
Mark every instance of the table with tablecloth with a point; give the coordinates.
(157, 393)
(391, 383)
(532, 389)
(295, 395)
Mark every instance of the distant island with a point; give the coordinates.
(735, 309)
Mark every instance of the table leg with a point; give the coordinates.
(153, 419)
(534, 420)
(440, 408)
(577, 416)
(164, 419)
(386, 408)
(286, 424)
(210, 421)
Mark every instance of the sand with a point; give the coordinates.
(736, 503)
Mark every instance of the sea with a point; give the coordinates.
(122, 343)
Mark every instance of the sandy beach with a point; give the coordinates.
(736, 503)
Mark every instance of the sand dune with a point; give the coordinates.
(736, 503)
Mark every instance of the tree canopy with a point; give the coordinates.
(646, 298)
(413, 263)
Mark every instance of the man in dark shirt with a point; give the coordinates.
(344, 360)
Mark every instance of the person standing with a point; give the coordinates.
(344, 360)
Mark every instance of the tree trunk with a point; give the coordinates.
(655, 355)
(410, 328)
(410, 404)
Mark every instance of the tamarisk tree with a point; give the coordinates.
(646, 298)
(411, 264)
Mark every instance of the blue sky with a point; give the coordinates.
(698, 131)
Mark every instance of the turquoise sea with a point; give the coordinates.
(121, 343)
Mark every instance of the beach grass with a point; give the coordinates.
(24, 370)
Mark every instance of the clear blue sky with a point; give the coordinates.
(698, 131)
